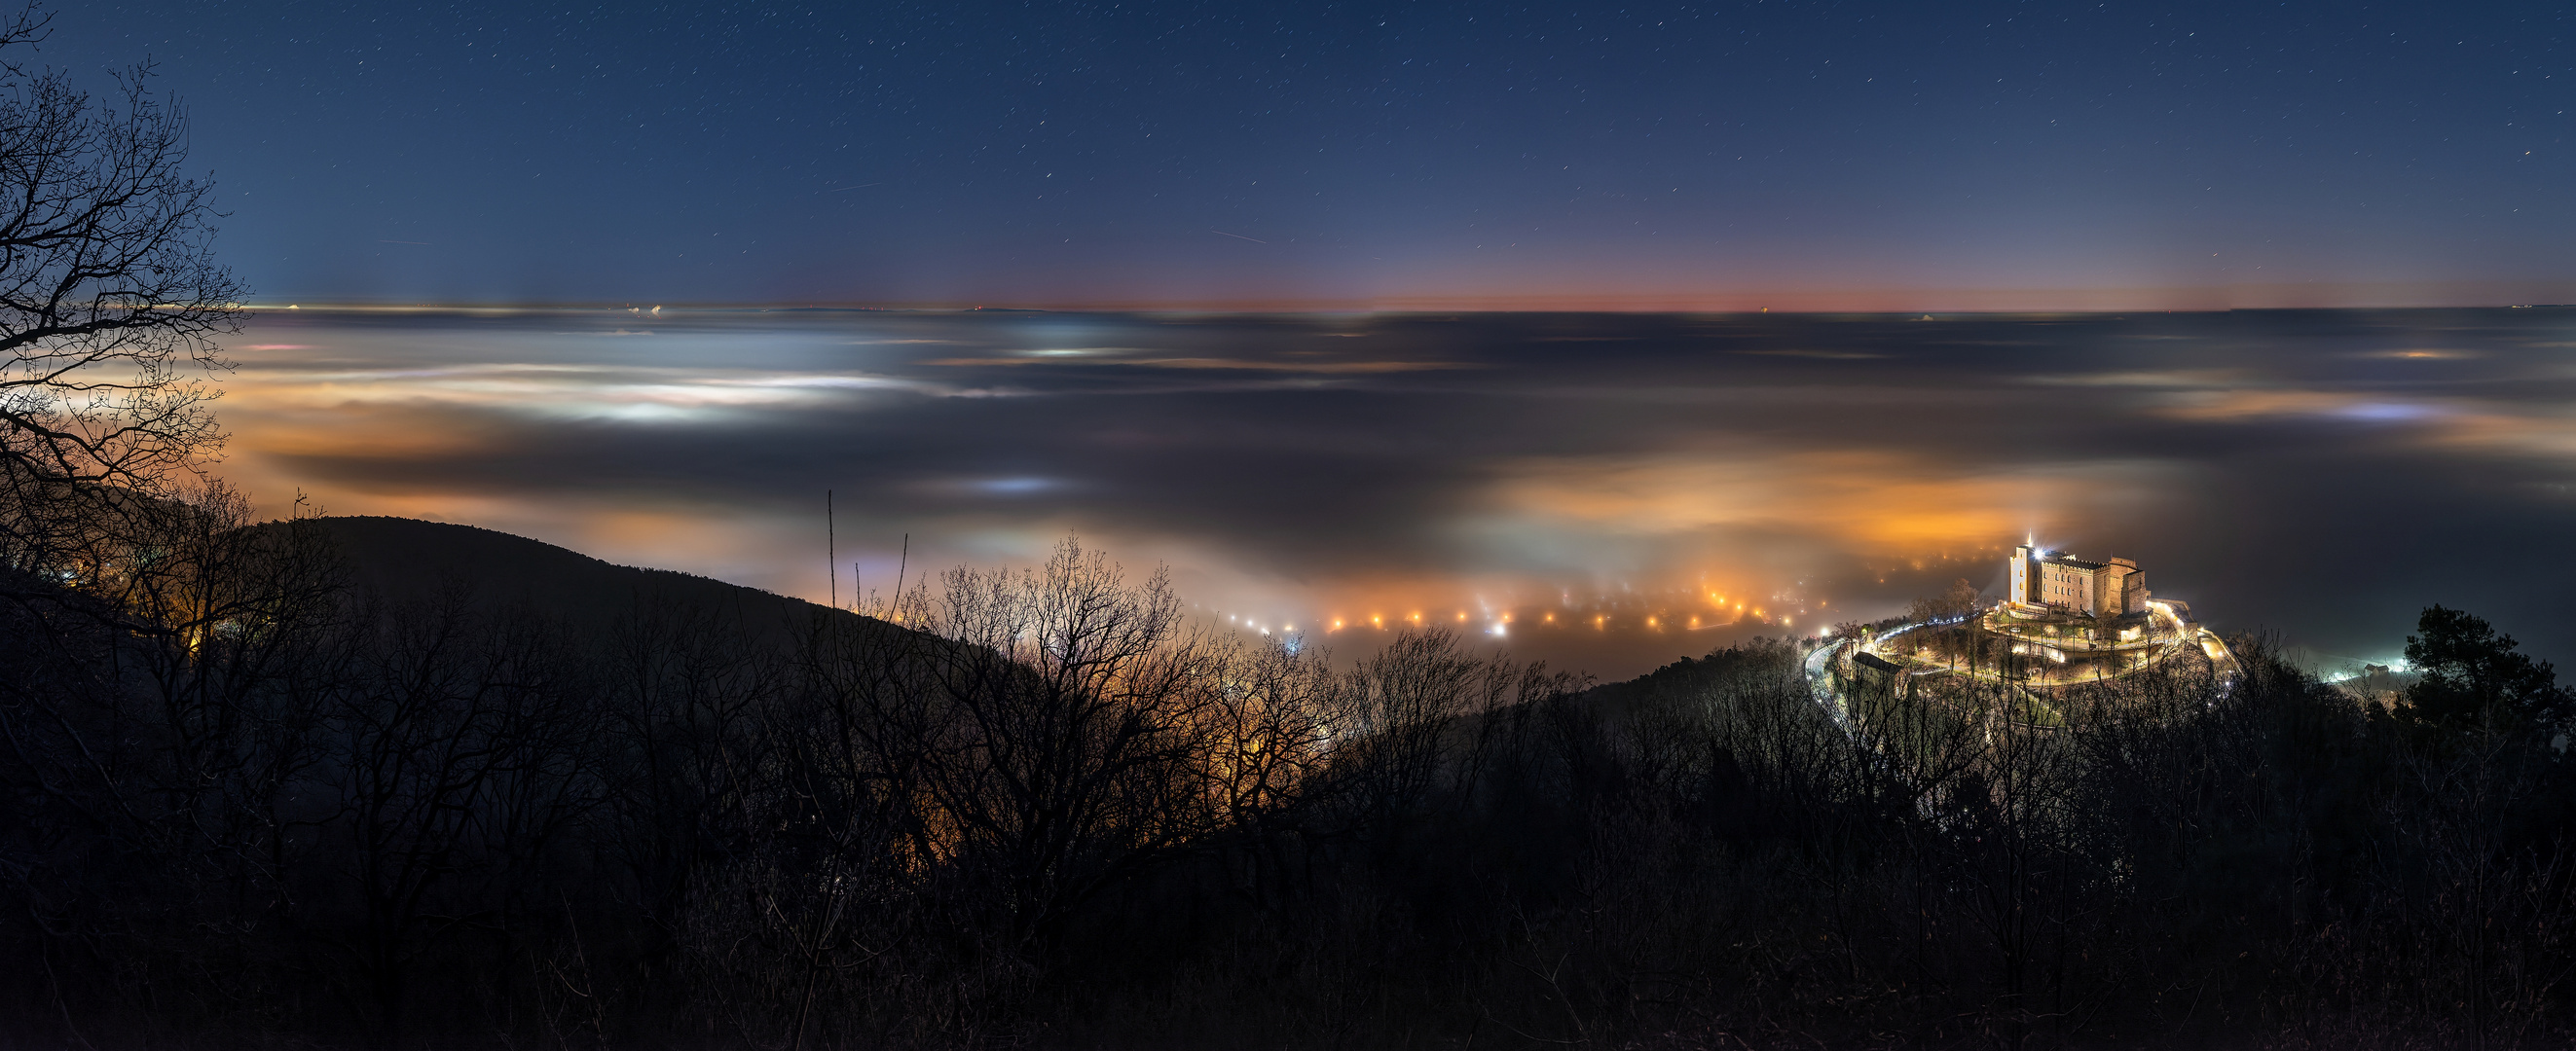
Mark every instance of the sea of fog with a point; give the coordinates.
(1608, 492)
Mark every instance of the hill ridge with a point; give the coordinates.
(412, 559)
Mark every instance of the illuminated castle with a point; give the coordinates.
(2058, 582)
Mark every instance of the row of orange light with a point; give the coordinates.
(1598, 620)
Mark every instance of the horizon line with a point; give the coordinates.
(2170, 299)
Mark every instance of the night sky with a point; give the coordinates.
(1905, 156)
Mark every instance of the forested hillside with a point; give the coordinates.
(373, 783)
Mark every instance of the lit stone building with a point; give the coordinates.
(2056, 581)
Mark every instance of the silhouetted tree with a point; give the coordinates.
(110, 303)
(2474, 676)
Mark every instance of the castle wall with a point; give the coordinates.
(2068, 587)
(2054, 581)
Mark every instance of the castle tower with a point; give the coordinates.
(2124, 588)
(2025, 576)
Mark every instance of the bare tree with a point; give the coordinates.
(110, 305)
(1041, 735)
(1944, 618)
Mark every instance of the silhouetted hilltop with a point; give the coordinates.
(405, 560)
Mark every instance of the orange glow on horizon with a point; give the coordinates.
(1609, 286)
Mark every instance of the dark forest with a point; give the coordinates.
(304, 784)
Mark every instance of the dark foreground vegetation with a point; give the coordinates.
(279, 785)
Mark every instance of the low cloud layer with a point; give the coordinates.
(1610, 491)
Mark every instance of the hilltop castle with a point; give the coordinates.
(2059, 582)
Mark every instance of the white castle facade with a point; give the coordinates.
(2058, 582)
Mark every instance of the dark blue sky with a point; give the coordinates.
(1638, 155)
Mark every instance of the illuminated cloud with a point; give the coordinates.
(1100, 357)
(2228, 406)
(569, 391)
(1860, 502)
(2419, 355)
(1619, 475)
(2176, 378)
